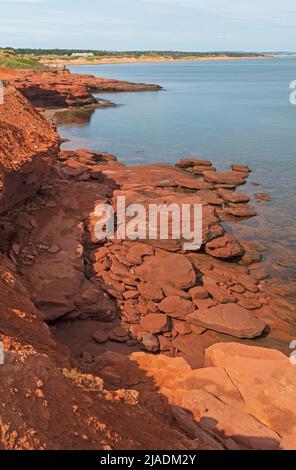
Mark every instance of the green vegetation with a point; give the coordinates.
(10, 59)
(64, 53)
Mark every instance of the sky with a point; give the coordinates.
(188, 25)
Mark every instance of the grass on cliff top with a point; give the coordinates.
(19, 62)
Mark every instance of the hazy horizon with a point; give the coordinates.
(179, 25)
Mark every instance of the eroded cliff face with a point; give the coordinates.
(61, 89)
(28, 149)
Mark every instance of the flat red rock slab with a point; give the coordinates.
(230, 319)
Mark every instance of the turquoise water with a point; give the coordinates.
(228, 111)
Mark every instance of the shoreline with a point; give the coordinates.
(128, 60)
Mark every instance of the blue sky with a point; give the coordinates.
(191, 25)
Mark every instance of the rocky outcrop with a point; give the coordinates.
(28, 149)
(243, 398)
(61, 89)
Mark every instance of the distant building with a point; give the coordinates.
(82, 54)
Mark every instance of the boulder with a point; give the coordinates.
(233, 197)
(173, 270)
(176, 307)
(150, 291)
(266, 380)
(155, 323)
(230, 319)
(220, 419)
(231, 178)
(224, 247)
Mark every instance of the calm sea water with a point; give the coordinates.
(228, 111)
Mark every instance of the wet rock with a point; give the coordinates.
(240, 210)
(250, 303)
(248, 282)
(232, 178)
(190, 162)
(200, 169)
(241, 168)
(263, 197)
(233, 197)
(231, 319)
(224, 247)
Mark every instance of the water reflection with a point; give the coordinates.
(73, 117)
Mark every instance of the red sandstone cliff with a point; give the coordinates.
(63, 89)
(28, 149)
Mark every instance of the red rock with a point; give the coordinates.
(172, 292)
(131, 294)
(155, 323)
(210, 197)
(262, 197)
(224, 247)
(173, 270)
(266, 380)
(182, 328)
(100, 336)
(200, 169)
(203, 304)
(150, 292)
(221, 295)
(28, 149)
(192, 429)
(251, 257)
(199, 293)
(165, 344)
(250, 303)
(248, 282)
(233, 197)
(288, 443)
(240, 210)
(242, 168)
(176, 307)
(150, 343)
(190, 162)
(230, 319)
(137, 251)
(230, 178)
(220, 419)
